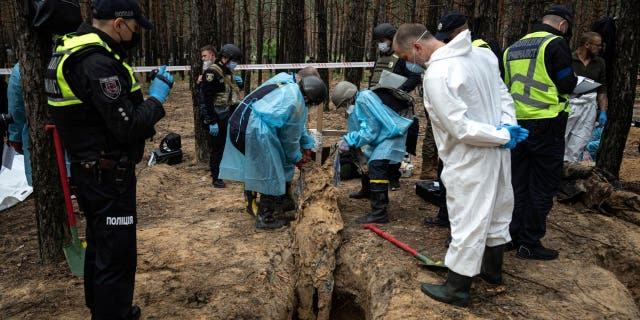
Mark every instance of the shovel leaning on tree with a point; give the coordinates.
(423, 259)
(76, 249)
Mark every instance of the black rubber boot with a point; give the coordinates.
(251, 202)
(365, 189)
(491, 271)
(268, 207)
(454, 291)
(288, 201)
(379, 203)
(288, 211)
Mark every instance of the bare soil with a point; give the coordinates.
(200, 257)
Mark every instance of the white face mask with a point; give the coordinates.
(206, 65)
(383, 47)
(350, 109)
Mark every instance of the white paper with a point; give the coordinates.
(391, 80)
(585, 85)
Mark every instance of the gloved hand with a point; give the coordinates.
(161, 85)
(17, 146)
(602, 120)
(238, 80)
(214, 129)
(343, 146)
(522, 135)
(306, 153)
(515, 135)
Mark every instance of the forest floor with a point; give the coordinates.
(200, 257)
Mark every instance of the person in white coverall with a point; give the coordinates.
(474, 126)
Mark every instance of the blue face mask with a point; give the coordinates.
(232, 65)
(412, 67)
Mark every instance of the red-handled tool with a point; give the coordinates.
(76, 250)
(426, 261)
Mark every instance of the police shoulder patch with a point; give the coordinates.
(210, 77)
(111, 87)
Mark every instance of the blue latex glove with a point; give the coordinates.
(159, 88)
(513, 134)
(238, 80)
(522, 135)
(214, 129)
(602, 120)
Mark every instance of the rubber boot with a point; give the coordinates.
(135, 313)
(365, 189)
(454, 291)
(251, 202)
(379, 202)
(491, 270)
(267, 208)
(288, 201)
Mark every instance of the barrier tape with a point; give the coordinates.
(331, 65)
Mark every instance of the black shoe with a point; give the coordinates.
(454, 291)
(511, 245)
(536, 253)
(394, 184)
(365, 188)
(135, 313)
(435, 221)
(218, 183)
(491, 270)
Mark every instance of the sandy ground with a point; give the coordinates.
(200, 257)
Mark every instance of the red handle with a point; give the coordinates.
(393, 240)
(63, 174)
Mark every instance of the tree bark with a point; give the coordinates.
(203, 21)
(35, 52)
(292, 41)
(623, 89)
(355, 40)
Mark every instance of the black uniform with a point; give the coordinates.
(104, 137)
(537, 162)
(212, 84)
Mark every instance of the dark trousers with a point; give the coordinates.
(217, 148)
(394, 172)
(536, 165)
(379, 175)
(110, 258)
(443, 213)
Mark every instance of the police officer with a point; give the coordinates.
(374, 121)
(103, 119)
(219, 95)
(267, 133)
(389, 61)
(539, 76)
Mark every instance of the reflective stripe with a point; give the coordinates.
(480, 44)
(61, 102)
(379, 181)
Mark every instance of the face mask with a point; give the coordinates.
(206, 64)
(130, 44)
(232, 65)
(350, 109)
(412, 67)
(383, 47)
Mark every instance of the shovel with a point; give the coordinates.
(76, 249)
(423, 259)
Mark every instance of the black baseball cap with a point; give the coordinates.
(448, 23)
(126, 9)
(561, 11)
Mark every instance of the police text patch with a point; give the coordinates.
(111, 87)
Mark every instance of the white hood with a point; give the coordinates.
(459, 46)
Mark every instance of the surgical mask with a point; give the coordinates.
(232, 65)
(206, 64)
(383, 47)
(130, 44)
(415, 68)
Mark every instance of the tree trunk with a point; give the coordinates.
(260, 36)
(355, 40)
(246, 44)
(35, 52)
(202, 24)
(622, 90)
(485, 20)
(292, 41)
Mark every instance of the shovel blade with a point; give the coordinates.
(75, 258)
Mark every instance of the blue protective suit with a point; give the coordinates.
(378, 127)
(275, 132)
(18, 130)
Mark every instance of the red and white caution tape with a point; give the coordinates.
(331, 65)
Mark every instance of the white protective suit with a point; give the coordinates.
(466, 101)
(582, 118)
